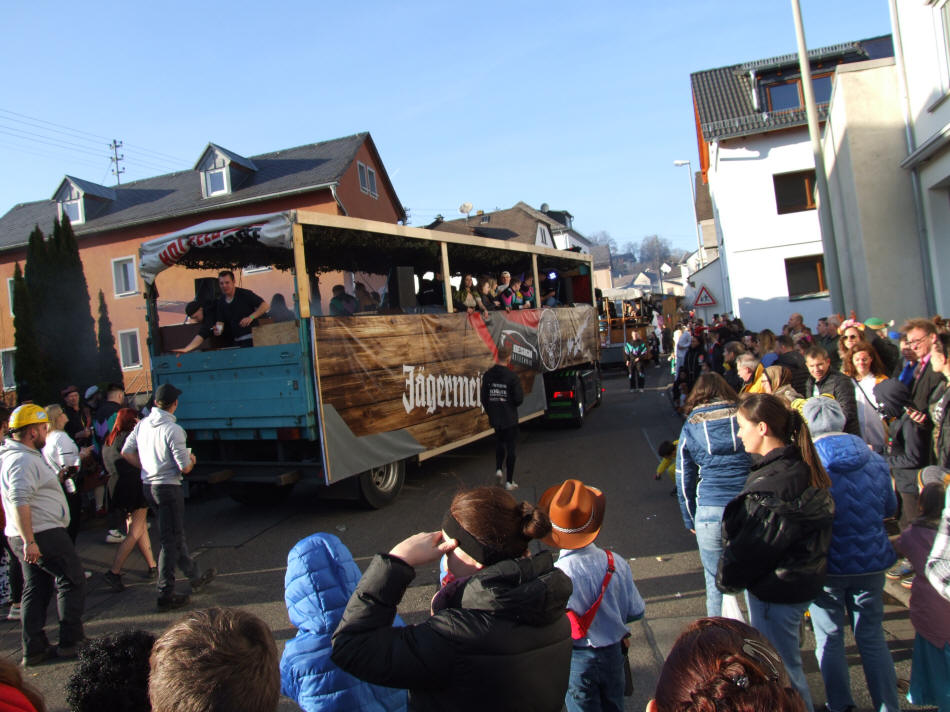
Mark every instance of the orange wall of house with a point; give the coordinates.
(175, 286)
(360, 204)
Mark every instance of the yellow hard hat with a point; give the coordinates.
(27, 414)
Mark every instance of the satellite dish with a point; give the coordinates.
(544, 207)
(465, 208)
(665, 268)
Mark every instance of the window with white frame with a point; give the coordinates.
(367, 179)
(7, 362)
(129, 354)
(216, 182)
(942, 24)
(72, 208)
(123, 276)
(10, 293)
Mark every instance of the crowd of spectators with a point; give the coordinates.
(865, 410)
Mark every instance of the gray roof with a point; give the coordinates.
(724, 96)
(230, 155)
(87, 186)
(297, 169)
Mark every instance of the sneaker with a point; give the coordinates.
(908, 582)
(511, 485)
(500, 476)
(900, 569)
(87, 574)
(114, 536)
(39, 658)
(114, 581)
(14, 613)
(206, 577)
(175, 600)
(152, 572)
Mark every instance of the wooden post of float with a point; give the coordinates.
(446, 284)
(301, 274)
(537, 282)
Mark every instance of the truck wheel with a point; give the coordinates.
(381, 485)
(580, 407)
(258, 494)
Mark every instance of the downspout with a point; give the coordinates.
(922, 237)
(337, 198)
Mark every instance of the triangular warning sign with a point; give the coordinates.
(704, 298)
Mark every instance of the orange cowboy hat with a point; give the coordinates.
(576, 512)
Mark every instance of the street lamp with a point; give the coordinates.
(692, 195)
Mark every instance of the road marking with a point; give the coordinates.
(650, 442)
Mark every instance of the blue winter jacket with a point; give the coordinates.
(863, 494)
(321, 576)
(711, 464)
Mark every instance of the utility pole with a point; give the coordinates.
(829, 245)
(116, 171)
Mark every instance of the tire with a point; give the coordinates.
(258, 494)
(580, 408)
(381, 485)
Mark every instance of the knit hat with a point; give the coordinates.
(933, 473)
(823, 415)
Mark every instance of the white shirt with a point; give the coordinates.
(60, 450)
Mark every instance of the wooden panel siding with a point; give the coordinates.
(366, 363)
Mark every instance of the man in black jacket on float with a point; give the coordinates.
(823, 380)
(501, 395)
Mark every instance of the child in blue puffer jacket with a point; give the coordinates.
(321, 577)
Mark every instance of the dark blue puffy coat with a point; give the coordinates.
(711, 464)
(321, 576)
(863, 494)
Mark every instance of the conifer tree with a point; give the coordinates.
(30, 368)
(110, 369)
(77, 347)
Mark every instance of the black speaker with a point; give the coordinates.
(565, 290)
(401, 289)
(206, 289)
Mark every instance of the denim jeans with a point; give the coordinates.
(780, 622)
(59, 567)
(597, 680)
(856, 600)
(708, 524)
(168, 503)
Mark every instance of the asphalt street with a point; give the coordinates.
(615, 450)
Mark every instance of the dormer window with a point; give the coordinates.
(216, 182)
(81, 200)
(222, 171)
(787, 95)
(73, 209)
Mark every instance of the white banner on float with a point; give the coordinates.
(270, 229)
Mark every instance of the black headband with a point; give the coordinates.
(484, 555)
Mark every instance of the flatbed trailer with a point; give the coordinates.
(337, 397)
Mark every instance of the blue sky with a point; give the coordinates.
(580, 105)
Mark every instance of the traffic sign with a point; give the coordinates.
(704, 298)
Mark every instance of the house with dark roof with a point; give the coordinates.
(757, 161)
(343, 176)
(520, 223)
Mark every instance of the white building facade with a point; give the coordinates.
(756, 157)
(922, 44)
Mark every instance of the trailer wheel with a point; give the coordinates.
(381, 485)
(579, 409)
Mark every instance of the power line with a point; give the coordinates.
(82, 135)
(50, 141)
(44, 154)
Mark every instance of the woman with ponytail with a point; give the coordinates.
(498, 636)
(777, 532)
